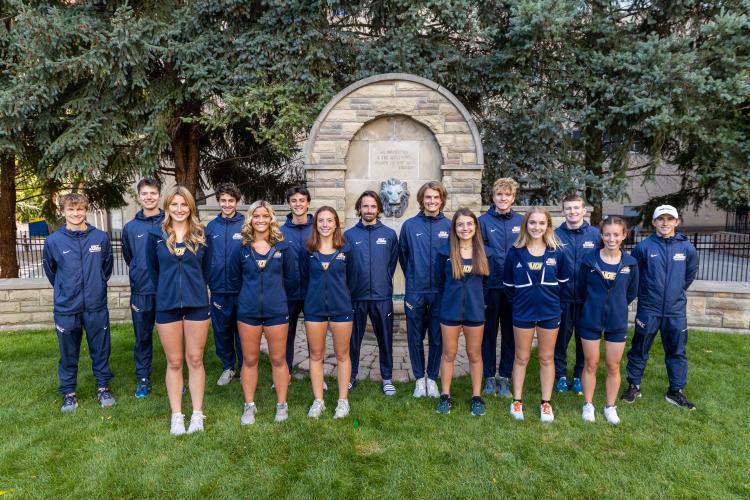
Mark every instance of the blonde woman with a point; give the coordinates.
(262, 267)
(178, 262)
(534, 269)
(462, 270)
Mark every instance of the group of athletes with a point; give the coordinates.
(502, 274)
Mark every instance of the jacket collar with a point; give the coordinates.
(291, 224)
(439, 216)
(369, 227)
(581, 229)
(140, 216)
(506, 216)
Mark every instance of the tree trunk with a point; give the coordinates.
(8, 257)
(186, 138)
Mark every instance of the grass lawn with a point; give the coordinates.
(395, 448)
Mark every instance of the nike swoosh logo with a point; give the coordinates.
(493, 230)
(141, 235)
(654, 255)
(216, 236)
(66, 251)
(357, 242)
(418, 234)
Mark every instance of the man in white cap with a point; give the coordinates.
(668, 264)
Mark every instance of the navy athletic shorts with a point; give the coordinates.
(461, 323)
(608, 336)
(278, 320)
(184, 313)
(547, 324)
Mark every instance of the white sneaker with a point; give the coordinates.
(516, 410)
(432, 389)
(248, 414)
(420, 388)
(545, 413)
(325, 386)
(342, 409)
(610, 413)
(226, 377)
(282, 412)
(316, 408)
(177, 425)
(589, 413)
(196, 422)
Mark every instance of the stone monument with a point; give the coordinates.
(395, 132)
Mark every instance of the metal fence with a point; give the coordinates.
(723, 256)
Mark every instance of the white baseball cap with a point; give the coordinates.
(665, 210)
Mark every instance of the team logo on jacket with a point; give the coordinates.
(98, 248)
(609, 275)
(516, 229)
(443, 234)
(59, 328)
(381, 241)
(217, 306)
(640, 323)
(679, 256)
(341, 256)
(179, 251)
(277, 255)
(262, 263)
(535, 266)
(588, 244)
(551, 261)
(236, 236)
(468, 268)
(625, 270)
(325, 265)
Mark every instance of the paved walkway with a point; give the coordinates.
(368, 363)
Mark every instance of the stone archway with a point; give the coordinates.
(327, 149)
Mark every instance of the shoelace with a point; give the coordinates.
(547, 409)
(517, 406)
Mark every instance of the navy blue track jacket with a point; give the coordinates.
(577, 243)
(605, 306)
(537, 298)
(262, 289)
(499, 231)
(667, 268)
(375, 255)
(179, 281)
(463, 299)
(327, 290)
(134, 240)
(224, 236)
(296, 235)
(420, 239)
(78, 265)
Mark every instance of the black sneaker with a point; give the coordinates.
(631, 393)
(477, 406)
(677, 398)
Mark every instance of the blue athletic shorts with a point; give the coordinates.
(278, 320)
(330, 319)
(547, 324)
(184, 313)
(461, 323)
(608, 336)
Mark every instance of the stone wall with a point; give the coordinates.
(27, 303)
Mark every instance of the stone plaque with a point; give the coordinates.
(394, 159)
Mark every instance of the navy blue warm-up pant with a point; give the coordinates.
(380, 313)
(499, 310)
(295, 308)
(570, 313)
(226, 335)
(143, 313)
(423, 316)
(674, 337)
(69, 336)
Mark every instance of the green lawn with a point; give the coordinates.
(390, 448)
